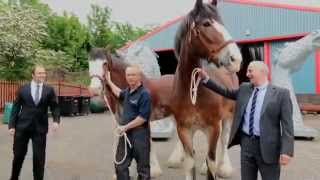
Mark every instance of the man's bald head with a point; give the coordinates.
(260, 66)
(133, 75)
(258, 72)
(134, 69)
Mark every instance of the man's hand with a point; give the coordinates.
(203, 74)
(12, 131)
(55, 127)
(108, 77)
(284, 159)
(122, 129)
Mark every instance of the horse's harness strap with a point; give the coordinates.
(96, 76)
(199, 35)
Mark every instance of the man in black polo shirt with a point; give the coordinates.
(135, 122)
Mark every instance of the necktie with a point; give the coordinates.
(37, 95)
(253, 107)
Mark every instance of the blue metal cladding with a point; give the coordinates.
(257, 21)
(163, 39)
(260, 21)
(303, 80)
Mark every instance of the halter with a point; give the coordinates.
(97, 76)
(199, 35)
(195, 78)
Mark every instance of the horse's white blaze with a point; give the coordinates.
(231, 50)
(96, 68)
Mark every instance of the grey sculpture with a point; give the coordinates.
(291, 58)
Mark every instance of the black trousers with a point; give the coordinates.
(20, 148)
(140, 151)
(252, 161)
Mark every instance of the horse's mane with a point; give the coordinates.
(205, 11)
(200, 12)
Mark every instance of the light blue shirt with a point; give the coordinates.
(257, 113)
(34, 88)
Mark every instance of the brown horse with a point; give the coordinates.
(161, 91)
(201, 35)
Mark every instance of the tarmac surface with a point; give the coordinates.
(82, 150)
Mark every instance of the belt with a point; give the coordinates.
(251, 136)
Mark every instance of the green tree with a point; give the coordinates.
(21, 31)
(100, 26)
(106, 33)
(67, 34)
(125, 32)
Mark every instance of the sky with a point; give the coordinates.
(143, 12)
(136, 12)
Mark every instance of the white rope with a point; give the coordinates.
(195, 81)
(117, 136)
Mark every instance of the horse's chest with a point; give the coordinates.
(194, 119)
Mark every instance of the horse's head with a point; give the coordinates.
(97, 69)
(96, 75)
(99, 63)
(203, 34)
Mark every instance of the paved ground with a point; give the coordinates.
(82, 150)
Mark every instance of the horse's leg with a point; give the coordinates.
(155, 169)
(224, 163)
(176, 157)
(186, 136)
(213, 135)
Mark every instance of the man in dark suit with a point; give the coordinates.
(29, 120)
(262, 124)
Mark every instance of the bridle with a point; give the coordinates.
(106, 66)
(202, 39)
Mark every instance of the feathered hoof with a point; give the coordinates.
(174, 163)
(225, 171)
(204, 169)
(155, 172)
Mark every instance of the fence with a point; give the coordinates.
(8, 90)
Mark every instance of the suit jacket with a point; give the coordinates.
(276, 125)
(28, 116)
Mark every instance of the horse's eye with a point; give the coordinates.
(206, 24)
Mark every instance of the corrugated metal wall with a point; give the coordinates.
(304, 79)
(163, 39)
(258, 21)
(266, 21)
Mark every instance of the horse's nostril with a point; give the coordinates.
(232, 59)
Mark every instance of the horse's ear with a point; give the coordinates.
(198, 5)
(214, 2)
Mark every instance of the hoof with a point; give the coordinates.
(155, 172)
(204, 169)
(225, 171)
(174, 163)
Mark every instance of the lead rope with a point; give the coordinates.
(195, 81)
(117, 136)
